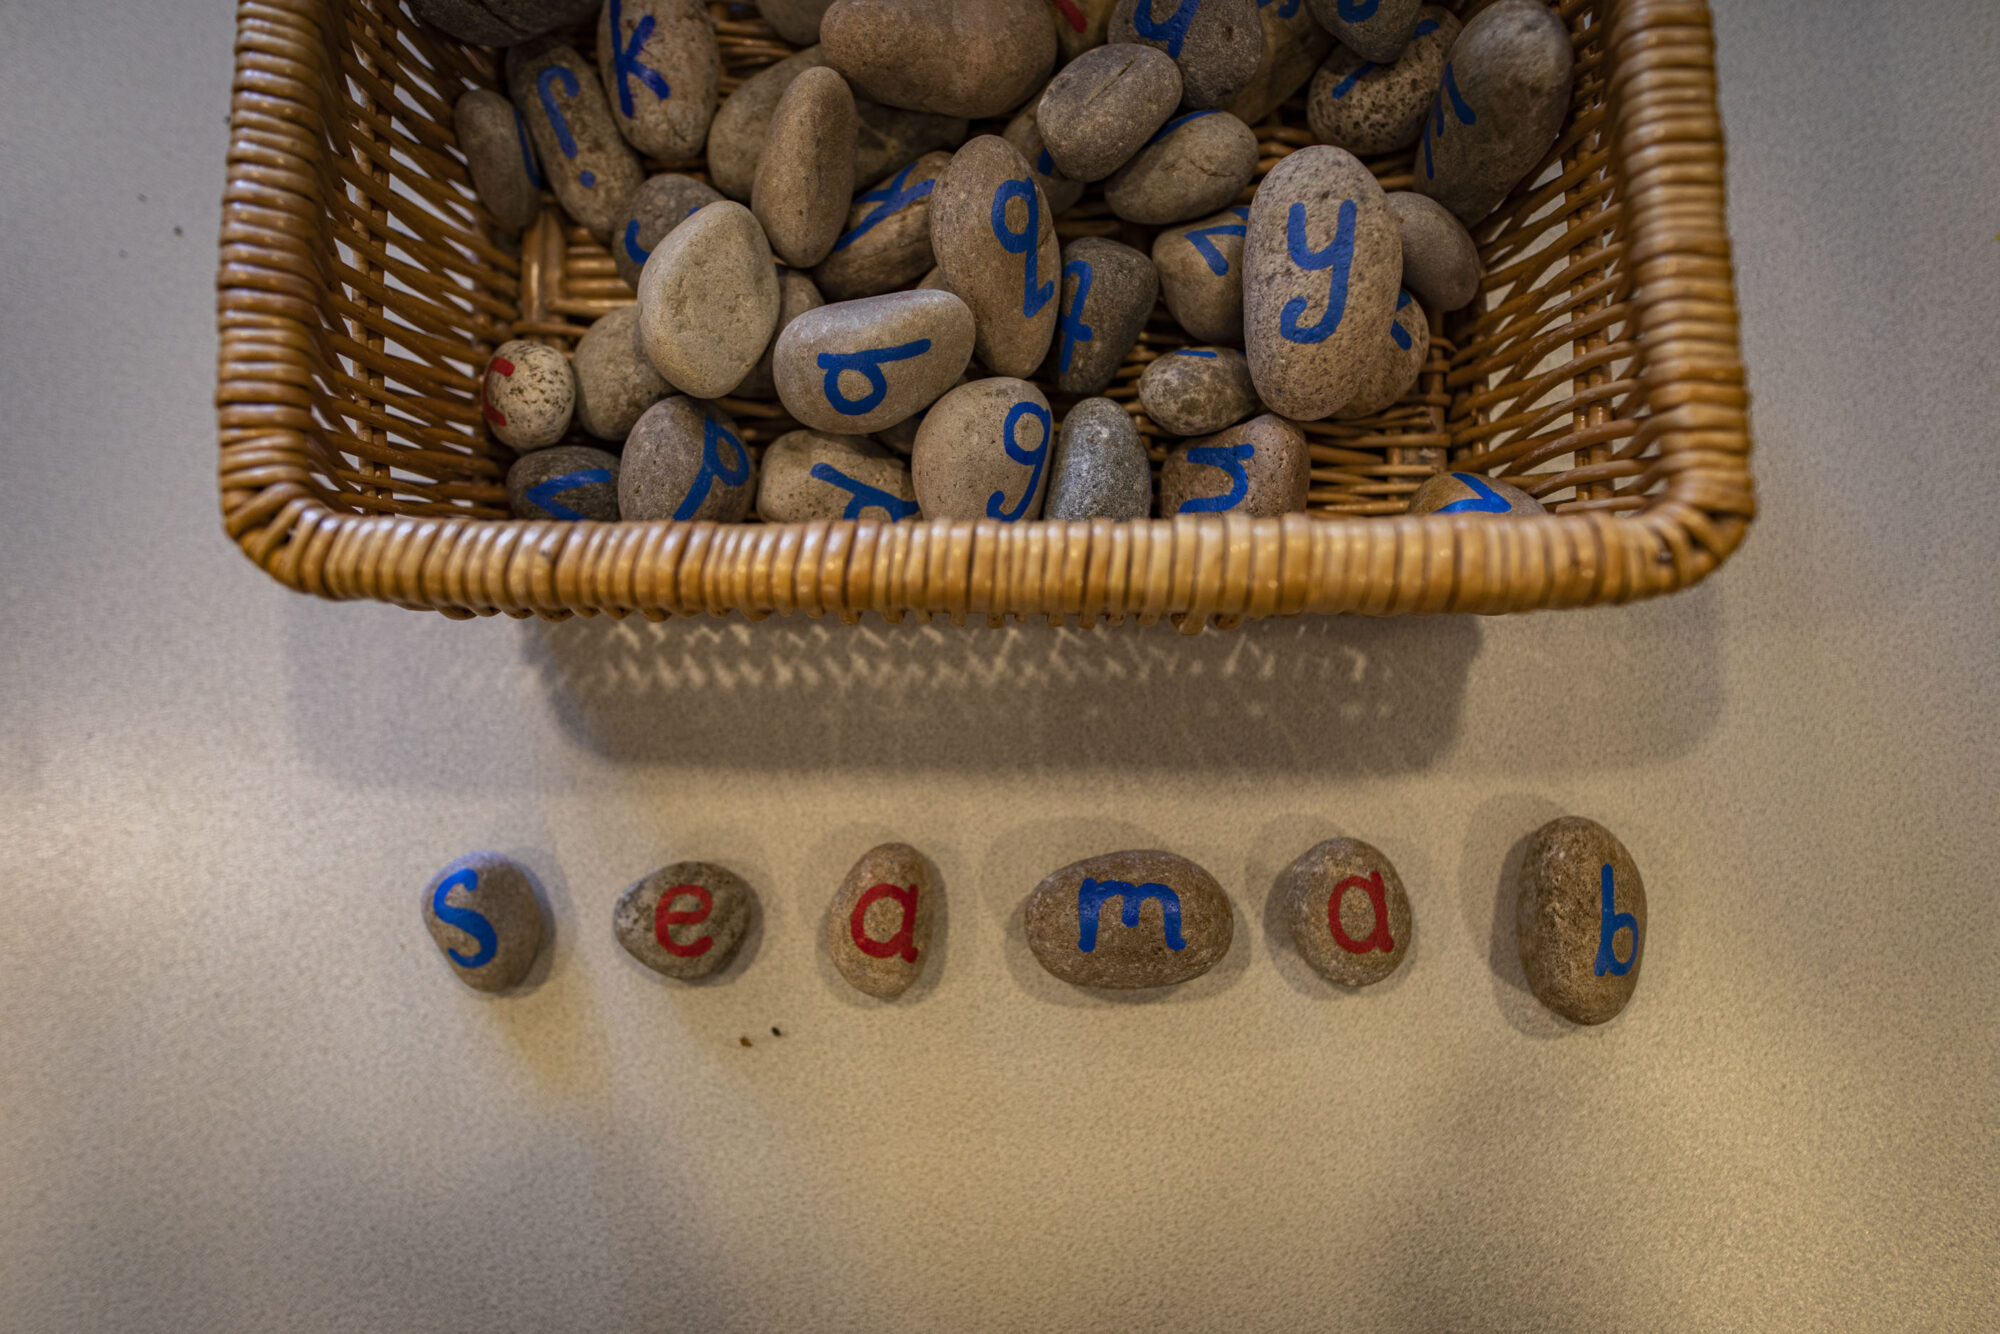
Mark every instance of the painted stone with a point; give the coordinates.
(1368, 108)
(1198, 390)
(1108, 293)
(527, 395)
(502, 22)
(1024, 132)
(585, 160)
(736, 135)
(1322, 267)
(1348, 913)
(1101, 470)
(1196, 164)
(1201, 274)
(1217, 43)
(972, 58)
(1440, 259)
(656, 208)
(685, 461)
(486, 919)
(811, 475)
(661, 68)
(1294, 46)
(805, 176)
(708, 301)
(855, 367)
(1399, 359)
(1080, 26)
(1261, 469)
(878, 928)
(1128, 920)
(614, 381)
(570, 483)
(1102, 107)
(685, 921)
(1505, 92)
(797, 294)
(1580, 920)
(1470, 493)
(797, 21)
(983, 452)
(886, 244)
(1376, 30)
(995, 241)
(494, 140)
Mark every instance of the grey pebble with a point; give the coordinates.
(797, 294)
(1580, 920)
(1201, 274)
(494, 140)
(1218, 44)
(655, 209)
(1471, 493)
(499, 22)
(809, 475)
(1348, 912)
(1108, 293)
(1368, 108)
(1196, 164)
(878, 927)
(685, 461)
(972, 58)
(995, 241)
(483, 914)
(708, 301)
(569, 483)
(1101, 470)
(1261, 469)
(805, 177)
(1506, 90)
(1127, 920)
(1294, 46)
(1398, 361)
(1440, 258)
(886, 244)
(614, 381)
(1103, 106)
(855, 367)
(797, 21)
(1024, 132)
(586, 161)
(661, 69)
(687, 920)
(1198, 390)
(527, 395)
(983, 451)
(1378, 30)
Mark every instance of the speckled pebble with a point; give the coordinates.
(1196, 164)
(584, 158)
(1101, 470)
(685, 921)
(1348, 912)
(1399, 359)
(527, 395)
(797, 294)
(661, 68)
(1470, 493)
(983, 452)
(1109, 291)
(1368, 108)
(655, 209)
(995, 242)
(855, 367)
(1024, 132)
(797, 21)
(1506, 90)
(1103, 107)
(1580, 920)
(805, 176)
(1294, 46)
(886, 244)
(1261, 469)
(810, 475)
(878, 927)
(1201, 274)
(1218, 44)
(494, 139)
(1376, 30)
(569, 483)
(973, 58)
(685, 461)
(1440, 258)
(1127, 920)
(486, 919)
(708, 301)
(1198, 390)
(614, 381)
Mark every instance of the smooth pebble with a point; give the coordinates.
(1198, 390)
(1440, 258)
(808, 475)
(1201, 274)
(614, 381)
(494, 139)
(886, 244)
(685, 921)
(983, 451)
(661, 68)
(805, 177)
(1348, 912)
(685, 461)
(1108, 293)
(972, 58)
(1127, 920)
(995, 242)
(1580, 920)
(1505, 92)
(1218, 44)
(1399, 359)
(663, 203)
(485, 917)
(582, 155)
(1261, 469)
(1101, 470)
(855, 367)
(878, 927)
(1102, 107)
(1196, 164)
(527, 395)
(708, 301)
(570, 483)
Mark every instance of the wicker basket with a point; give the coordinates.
(362, 287)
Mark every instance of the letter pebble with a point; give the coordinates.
(1129, 920)
(878, 927)
(485, 917)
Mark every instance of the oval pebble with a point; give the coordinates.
(1127, 920)
(1470, 493)
(1376, 30)
(1101, 470)
(809, 475)
(1198, 390)
(805, 177)
(1505, 92)
(1440, 259)
(502, 22)
(655, 208)
(972, 58)
(797, 294)
(1196, 164)
(661, 68)
(1218, 44)
(494, 140)
(1080, 25)
(614, 381)
(1322, 267)
(855, 367)
(1399, 359)
(1368, 108)
(886, 245)
(736, 135)
(1294, 46)
(685, 921)
(983, 452)
(995, 242)
(570, 483)
(1580, 920)
(585, 160)
(1348, 912)
(1103, 107)
(1108, 293)
(485, 917)
(1024, 132)
(797, 21)
(527, 395)
(878, 927)
(685, 461)
(1261, 469)
(1201, 274)
(708, 301)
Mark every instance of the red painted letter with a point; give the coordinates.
(666, 915)
(900, 943)
(1378, 898)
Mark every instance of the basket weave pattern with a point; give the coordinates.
(362, 287)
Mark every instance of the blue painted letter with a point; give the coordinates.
(889, 200)
(625, 59)
(544, 495)
(864, 496)
(1033, 458)
(868, 364)
(1173, 32)
(1092, 895)
(1074, 330)
(465, 919)
(1609, 925)
(712, 435)
(1229, 458)
(1338, 256)
(1218, 264)
(1484, 500)
(1027, 242)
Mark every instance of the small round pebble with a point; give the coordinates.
(996, 246)
(1101, 108)
(1101, 470)
(1024, 132)
(1294, 46)
(661, 67)
(1368, 108)
(708, 301)
(1218, 44)
(1470, 493)
(810, 475)
(973, 58)
(614, 381)
(1440, 258)
(860, 366)
(805, 177)
(685, 461)
(1399, 360)
(1198, 390)
(1506, 90)
(1376, 30)
(528, 394)
(797, 294)
(1348, 912)
(886, 245)
(1261, 469)
(663, 203)
(1580, 920)
(685, 921)
(570, 483)
(797, 21)
(583, 156)
(494, 140)
(1127, 920)
(878, 927)
(486, 919)
(983, 452)
(1109, 291)
(1196, 164)
(1201, 274)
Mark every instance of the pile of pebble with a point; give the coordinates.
(898, 287)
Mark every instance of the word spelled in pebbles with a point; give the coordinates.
(1349, 916)
(614, 381)
(1217, 43)
(878, 927)
(1196, 164)
(1323, 265)
(810, 475)
(1469, 493)
(887, 242)
(1368, 108)
(1399, 359)
(797, 294)
(1198, 390)
(528, 395)
(502, 22)
(1580, 920)
(588, 163)
(1294, 46)
(1129, 919)
(656, 208)
(1440, 259)
(1101, 470)
(1101, 108)
(569, 483)
(805, 177)
(996, 247)
(858, 366)
(1201, 274)
(661, 67)
(484, 915)
(1080, 25)
(1024, 132)
(708, 301)
(983, 452)
(1261, 469)
(797, 21)
(494, 140)
(1376, 30)
(1505, 91)
(685, 461)
(686, 920)
(1108, 292)
(972, 58)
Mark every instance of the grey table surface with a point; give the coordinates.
(239, 1091)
